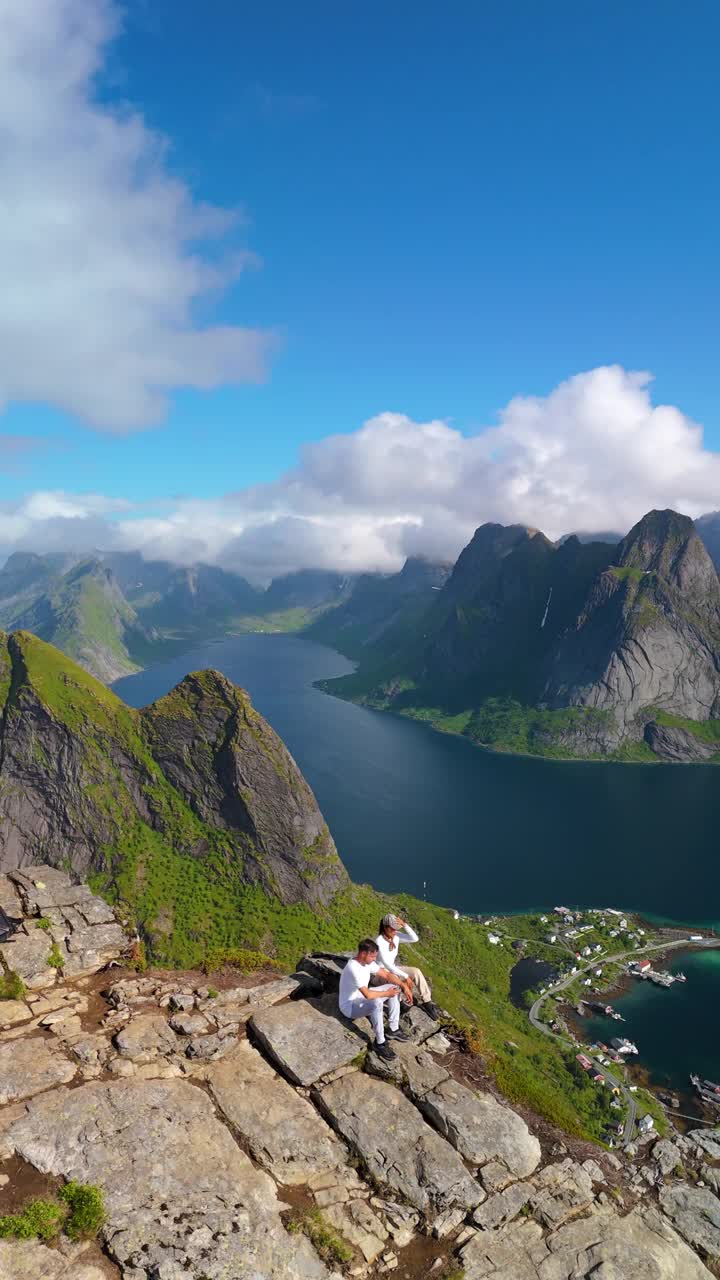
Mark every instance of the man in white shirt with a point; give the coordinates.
(394, 930)
(358, 999)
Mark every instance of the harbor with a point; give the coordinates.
(674, 1030)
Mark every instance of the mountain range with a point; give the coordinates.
(592, 647)
(587, 649)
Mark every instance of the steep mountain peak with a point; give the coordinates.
(667, 544)
(418, 573)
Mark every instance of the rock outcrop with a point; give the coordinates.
(197, 1154)
(648, 635)
(197, 787)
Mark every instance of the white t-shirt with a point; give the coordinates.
(388, 956)
(354, 976)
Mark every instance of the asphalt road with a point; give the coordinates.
(631, 1118)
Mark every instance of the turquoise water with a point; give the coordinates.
(676, 1029)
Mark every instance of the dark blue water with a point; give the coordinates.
(676, 1029)
(486, 832)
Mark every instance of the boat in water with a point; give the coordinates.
(708, 1090)
(680, 977)
(621, 1045)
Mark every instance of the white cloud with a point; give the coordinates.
(595, 454)
(99, 255)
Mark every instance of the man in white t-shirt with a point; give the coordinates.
(358, 999)
(394, 930)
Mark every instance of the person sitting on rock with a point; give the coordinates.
(358, 999)
(394, 930)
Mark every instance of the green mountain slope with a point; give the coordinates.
(581, 649)
(80, 609)
(186, 811)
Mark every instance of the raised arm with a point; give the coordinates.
(407, 933)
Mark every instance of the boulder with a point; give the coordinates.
(480, 1128)
(500, 1209)
(561, 1191)
(709, 1140)
(399, 1149)
(145, 1037)
(418, 1025)
(666, 1156)
(411, 1068)
(695, 1212)
(189, 1024)
(270, 993)
(307, 1041)
(27, 954)
(209, 1048)
(283, 1131)
(325, 967)
(30, 1066)
(182, 1199)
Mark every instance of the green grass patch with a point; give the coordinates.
(627, 573)
(55, 959)
(43, 923)
(12, 986)
(326, 1241)
(79, 1213)
(85, 1210)
(705, 730)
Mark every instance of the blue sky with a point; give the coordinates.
(452, 205)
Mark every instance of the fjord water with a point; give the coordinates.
(409, 806)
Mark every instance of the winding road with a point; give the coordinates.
(631, 1117)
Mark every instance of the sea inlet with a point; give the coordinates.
(421, 812)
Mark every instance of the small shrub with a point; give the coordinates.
(12, 986)
(40, 1219)
(328, 1243)
(86, 1210)
(212, 993)
(43, 923)
(241, 958)
(138, 956)
(55, 959)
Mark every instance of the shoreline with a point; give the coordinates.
(639, 1073)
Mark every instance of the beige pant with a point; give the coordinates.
(419, 981)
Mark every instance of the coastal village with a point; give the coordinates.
(585, 954)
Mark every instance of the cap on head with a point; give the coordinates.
(390, 922)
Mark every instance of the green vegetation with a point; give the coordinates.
(328, 1244)
(628, 572)
(39, 1219)
(86, 1211)
(705, 730)
(55, 959)
(43, 923)
(79, 1213)
(507, 725)
(12, 986)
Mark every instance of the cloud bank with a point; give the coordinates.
(595, 454)
(99, 256)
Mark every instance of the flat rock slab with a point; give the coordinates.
(30, 1260)
(695, 1212)
(709, 1140)
(562, 1190)
(145, 1037)
(284, 1132)
(305, 1041)
(411, 1068)
(182, 1199)
(641, 1246)
(400, 1150)
(13, 1011)
(30, 1066)
(480, 1128)
(27, 955)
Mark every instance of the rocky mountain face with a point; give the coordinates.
(79, 607)
(579, 648)
(708, 528)
(171, 596)
(307, 589)
(647, 637)
(200, 1114)
(179, 809)
(383, 613)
